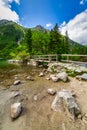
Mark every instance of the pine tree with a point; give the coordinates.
(28, 39)
(55, 40)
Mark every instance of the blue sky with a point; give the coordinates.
(33, 12)
(69, 14)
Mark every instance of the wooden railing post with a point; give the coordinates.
(57, 57)
(49, 58)
(67, 58)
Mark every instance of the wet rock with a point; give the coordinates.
(66, 99)
(84, 76)
(16, 109)
(51, 91)
(63, 76)
(17, 82)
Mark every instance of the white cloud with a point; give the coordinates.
(17, 1)
(77, 28)
(63, 24)
(82, 2)
(49, 25)
(6, 12)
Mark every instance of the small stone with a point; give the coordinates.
(52, 75)
(17, 82)
(35, 98)
(78, 70)
(84, 76)
(79, 116)
(16, 109)
(41, 74)
(48, 78)
(78, 77)
(30, 78)
(15, 78)
(54, 78)
(44, 70)
(15, 94)
(51, 91)
(35, 63)
(84, 119)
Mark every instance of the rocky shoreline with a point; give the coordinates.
(36, 90)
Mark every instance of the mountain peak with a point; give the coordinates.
(40, 28)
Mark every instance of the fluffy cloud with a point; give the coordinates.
(63, 24)
(17, 1)
(82, 2)
(49, 25)
(77, 28)
(6, 12)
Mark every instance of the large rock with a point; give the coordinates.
(65, 98)
(16, 109)
(57, 103)
(63, 76)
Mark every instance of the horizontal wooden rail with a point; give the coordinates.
(73, 55)
(56, 57)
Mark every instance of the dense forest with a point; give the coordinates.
(18, 42)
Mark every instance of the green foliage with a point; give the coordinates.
(40, 42)
(28, 39)
(11, 35)
(20, 53)
(55, 45)
(5, 65)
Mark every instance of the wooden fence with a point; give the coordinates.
(62, 57)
